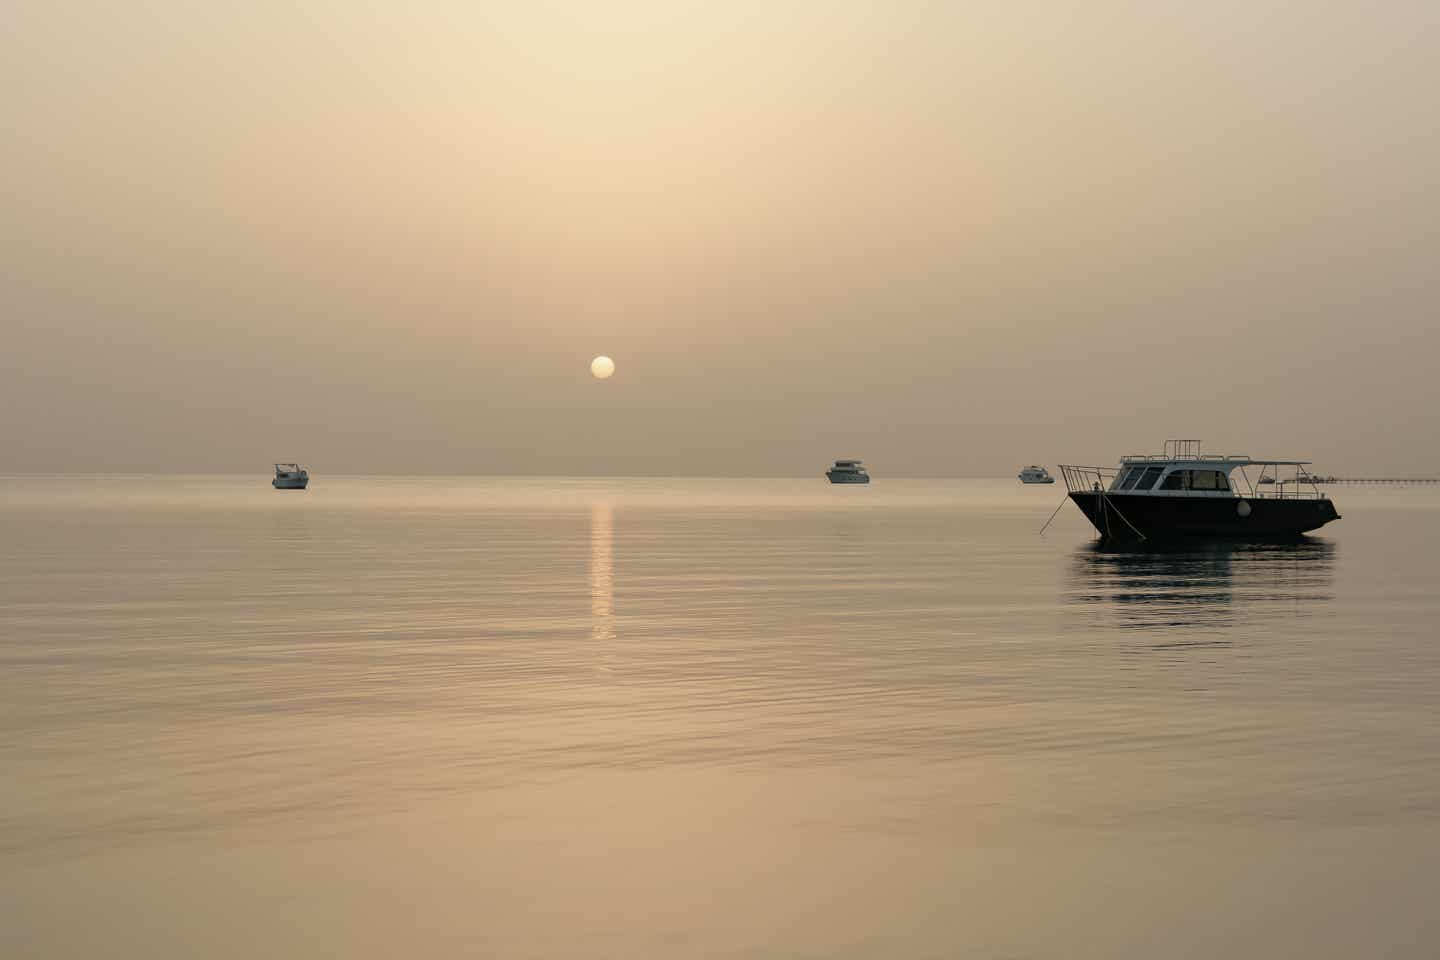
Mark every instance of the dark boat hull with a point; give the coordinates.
(1120, 516)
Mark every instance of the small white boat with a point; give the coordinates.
(1034, 474)
(290, 476)
(848, 471)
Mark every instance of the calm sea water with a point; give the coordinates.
(510, 717)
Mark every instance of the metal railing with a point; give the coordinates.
(1300, 486)
(1182, 449)
(1198, 458)
(1087, 479)
(1188, 450)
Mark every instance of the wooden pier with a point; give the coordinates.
(1394, 481)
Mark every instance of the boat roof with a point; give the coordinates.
(1229, 460)
(1188, 452)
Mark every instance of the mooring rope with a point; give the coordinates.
(1054, 515)
(1102, 501)
(1122, 516)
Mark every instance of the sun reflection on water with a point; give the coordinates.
(602, 571)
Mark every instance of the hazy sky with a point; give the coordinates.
(949, 238)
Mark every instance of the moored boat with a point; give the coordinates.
(848, 471)
(1183, 493)
(1034, 474)
(290, 476)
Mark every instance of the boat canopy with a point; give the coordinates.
(1188, 452)
(1222, 461)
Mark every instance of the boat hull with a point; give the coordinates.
(290, 483)
(1119, 516)
(1041, 480)
(847, 477)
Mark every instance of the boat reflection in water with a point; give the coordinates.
(1200, 585)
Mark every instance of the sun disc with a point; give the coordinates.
(602, 367)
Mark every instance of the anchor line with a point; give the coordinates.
(1122, 516)
(1053, 516)
(1104, 504)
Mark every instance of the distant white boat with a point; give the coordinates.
(1034, 474)
(848, 471)
(290, 476)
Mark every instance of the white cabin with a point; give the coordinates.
(1182, 470)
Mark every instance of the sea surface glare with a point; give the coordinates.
(705, 718)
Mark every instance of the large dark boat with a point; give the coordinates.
(1183, 493)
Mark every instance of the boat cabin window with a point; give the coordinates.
(1209, 480)
(1128, 477)
(1195, 480)
(1136, 478)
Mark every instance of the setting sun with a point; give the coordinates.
(602, 367)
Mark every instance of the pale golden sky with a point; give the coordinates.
(950, 238)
